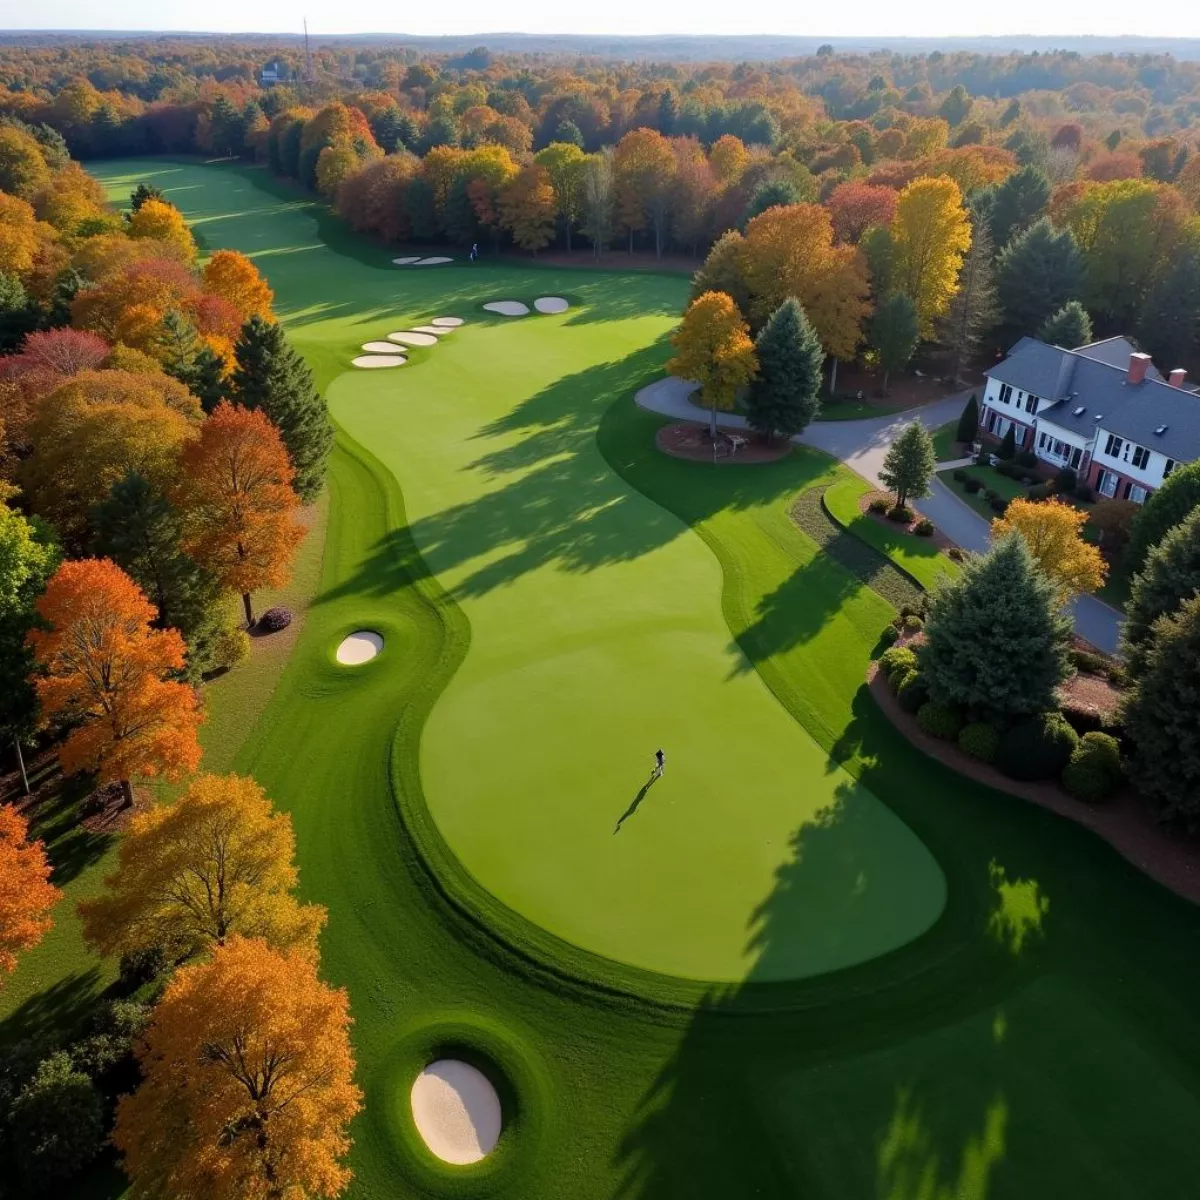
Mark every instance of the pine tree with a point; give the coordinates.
(1070, 327)
(270, 375)
(909, 463)
(996, 639)
(1008, 443)
(968, 423)
(1171, 576)
(140, 531)
(783, 396)
(1170, 322)
(195, 364)
(894, 333)
(144, 192)
(1162, 718)
(1175, 501)
(1036, 274)
(1017, 203)
(973, 309)
(767, 195)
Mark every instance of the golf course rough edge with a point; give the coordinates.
(359, 647)
(456, 1111)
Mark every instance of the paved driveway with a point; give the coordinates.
(861, 445)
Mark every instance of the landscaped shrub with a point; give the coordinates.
(1041, 491)
(1009, 470)
(1027, 480)
(1066, 480)
(939, 720)
(1038, 748)
(275, 619)
(889, 635)
(957, 554)
(1027, 458)
(912, 623)
(897, 661)
(960, 475)
(879, 504)
(912, 692)
(973, 484)
(983, 458)
(980, 740)
(1089, 661)
(229, 648)
(1082, 717)
(998, 504)
(923, 528)
(1084, 493)
(1094, 771)
(915, 610)
(900, 513)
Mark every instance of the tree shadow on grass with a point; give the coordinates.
(54, 1012)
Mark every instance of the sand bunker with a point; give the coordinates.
(374, 361)
(507, 308)
(551, 304)
(447, 322)
(407, 262)
(379, 347)
(359, 648)
(413, 338)
(433, 261)
(437, 330)
(456, 1111)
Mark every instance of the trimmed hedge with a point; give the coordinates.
(275, 619)
(1094, 772)
(889, 635)
(923, 528)
(900, 513)
(912, 692)
(973, 485)
(1037, 749)
(879, 504)
(980, 740)
(939, 720)
(897, 662)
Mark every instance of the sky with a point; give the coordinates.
(874, 18)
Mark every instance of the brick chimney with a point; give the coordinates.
(1138, 365)
(1177, 377)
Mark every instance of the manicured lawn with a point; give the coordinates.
(1010, 489)
(857, 410)
(1038, 1040)
(918, 556)
(945, 445)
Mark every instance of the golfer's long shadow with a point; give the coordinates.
(637, 800)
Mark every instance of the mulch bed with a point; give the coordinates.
(1092, 691)
(1123, 821)
(937, 538)
(684, 439)
(904, 390)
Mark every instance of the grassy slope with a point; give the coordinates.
(1040, 1041)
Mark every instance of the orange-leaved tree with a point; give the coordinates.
(1053, 532)
(528, 207)
(248, 1082)
(233, 277)
(102, 668)
(26, 893)
(713, 347)
(238, 502)
(190, 875)
(164, 223)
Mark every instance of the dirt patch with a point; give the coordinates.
(904, 391)
(1123, 821)
(105, 810)
(1091, 691)
(687, 440)
(937, 538)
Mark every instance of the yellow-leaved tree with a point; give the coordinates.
(189, 875)
(713, 347)
(247, 1082)
(1053, 532)
(164, 223)
(931, 233)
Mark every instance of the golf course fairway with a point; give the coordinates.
(812, 962)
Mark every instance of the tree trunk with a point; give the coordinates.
(249, 610)
(712, 424)
(885, 380)
(21, 766)
(568, 237)
(833, 379)
(631, 240)
(126, 793)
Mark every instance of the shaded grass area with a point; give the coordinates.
(917, 557)
(945, 444)
(857, 410)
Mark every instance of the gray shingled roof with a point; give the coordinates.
(1115, 351)
(1132, 411)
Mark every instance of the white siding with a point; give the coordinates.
(1150, 475)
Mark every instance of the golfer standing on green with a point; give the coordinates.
(660, 758)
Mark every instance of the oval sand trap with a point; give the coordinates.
(379, 347)
(447, 322)
(438, 330)
(507, 308)
(413, 338)
(374, 361)
(359, 647)
(551, 304)
(407, 262)
(456, 1111)
(432, 261)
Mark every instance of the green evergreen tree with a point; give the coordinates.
(973, 309)
(968, 423)
(270, 375)
(996, 640)
(1017, 203)
(909, 463)
(144, 192)
(1162, 718)
(1171, 576)
(767, 195)
(894, 333)
(1070, 327)
(783, 396)
(18, 314)
(140, 531)
(186, 357)
(1169, 327)
(956, 106)
(421, 208)
(1036, 274)
(568, 131)
(1174, 501)
(1008, 443)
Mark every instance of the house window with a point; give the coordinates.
(1141, 456)
(1018, 434)
(1005, 393)
(1137, 493)
(1031, 403)
(1042, 440)
(1106, 484)
(1169, 467)
(1002, 424)
(1113, 446)
(1076, 455)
